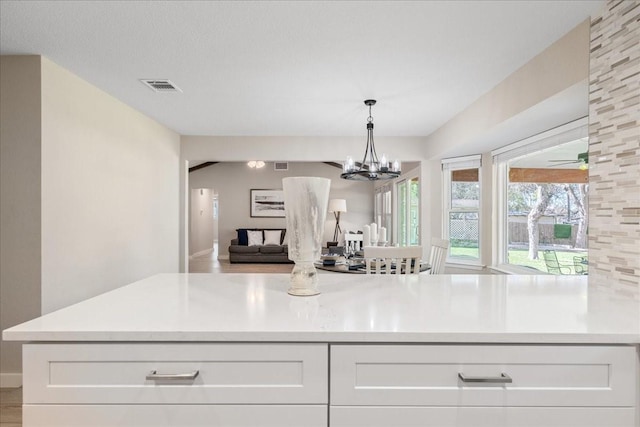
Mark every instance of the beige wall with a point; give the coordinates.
(561, 69)
(614, 149)
(19, 202)
(109, 192)
(546, 92)
(233, 181)
(89, 194)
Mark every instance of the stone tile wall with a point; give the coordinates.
(614, 148)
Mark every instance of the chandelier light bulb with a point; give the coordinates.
(383, 162)
(348, 165)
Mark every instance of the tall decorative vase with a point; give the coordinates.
(305, 207)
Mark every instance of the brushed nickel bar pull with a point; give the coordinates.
(172, 377)
(502, 379)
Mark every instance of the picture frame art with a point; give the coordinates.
(267, 203)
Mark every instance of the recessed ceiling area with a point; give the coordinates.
(255, 68)
(564, 156)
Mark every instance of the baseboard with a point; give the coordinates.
(10, 380)
(225, 257)
(197, 254)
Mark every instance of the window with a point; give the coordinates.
(541, 202)
(408, 208)
(461, 178)
(383, 209)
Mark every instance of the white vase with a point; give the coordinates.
(305, 207)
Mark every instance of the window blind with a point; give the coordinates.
(466, 162)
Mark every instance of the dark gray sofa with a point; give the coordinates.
(258, 254)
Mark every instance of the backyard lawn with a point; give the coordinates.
(520, 257)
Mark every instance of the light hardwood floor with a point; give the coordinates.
(11, 407)
(209, 263)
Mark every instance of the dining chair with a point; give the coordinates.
(438, 255)
(381, 259)
(553, 265)
(353, 242)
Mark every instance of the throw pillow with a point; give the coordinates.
(272, 237)
(255, 237)
(242, 236)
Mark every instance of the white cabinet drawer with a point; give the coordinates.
(424, 416)
(427, 375)
(175, 415)
(227, 373)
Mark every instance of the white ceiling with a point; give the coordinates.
(292, 68)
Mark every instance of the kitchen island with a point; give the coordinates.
(236, 349)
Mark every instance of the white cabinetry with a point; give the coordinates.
(283, 384)
(407, 385)
(233, 384)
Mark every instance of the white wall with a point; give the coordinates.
(19, 203)
(201, 224)
(234, 180)
(109, 192)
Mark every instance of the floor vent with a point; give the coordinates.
(281, 166)
(161, 85)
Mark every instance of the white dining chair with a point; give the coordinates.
(379, 259)
(353, 242)
(438, 255)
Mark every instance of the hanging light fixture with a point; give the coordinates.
(371, 168)
(255, 164)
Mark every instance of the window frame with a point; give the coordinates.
(500, 159)
(380, 209)
(448, 167)
(407, 179)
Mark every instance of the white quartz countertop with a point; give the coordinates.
(351, 308)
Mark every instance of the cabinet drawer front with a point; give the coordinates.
(411, 416)
(428, 375)
(175, 415)
(226, 373)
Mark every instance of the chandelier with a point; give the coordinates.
(371, 168)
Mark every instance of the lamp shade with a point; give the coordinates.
(337, 205)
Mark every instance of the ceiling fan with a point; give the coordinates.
(583, 159)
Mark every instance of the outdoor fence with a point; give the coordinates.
(519, 234)
(464, 232)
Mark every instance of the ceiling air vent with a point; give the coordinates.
(281, 166)
(161, 85)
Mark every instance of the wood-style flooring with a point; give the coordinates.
(11, 407)
(209, 263)
(11, 398)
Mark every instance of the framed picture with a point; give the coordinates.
(267, 203)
